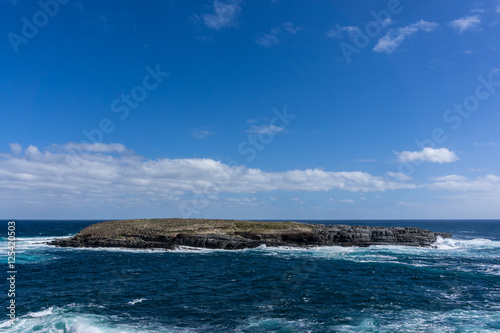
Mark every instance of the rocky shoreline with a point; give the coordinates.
(235, 234)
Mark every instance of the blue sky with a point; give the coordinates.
(254, 109)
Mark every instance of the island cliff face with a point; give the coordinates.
(235, 234)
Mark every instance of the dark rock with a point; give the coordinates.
(230, 235)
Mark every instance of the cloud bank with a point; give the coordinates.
(111, 174)
(488, 183)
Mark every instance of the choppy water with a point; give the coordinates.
(454, 287)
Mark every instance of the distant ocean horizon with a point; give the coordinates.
(453, 286)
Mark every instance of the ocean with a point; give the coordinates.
(454, 287)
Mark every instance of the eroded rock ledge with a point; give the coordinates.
(235, 234)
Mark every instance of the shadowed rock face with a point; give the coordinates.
(233, 234)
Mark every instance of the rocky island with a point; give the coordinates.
(236, 234)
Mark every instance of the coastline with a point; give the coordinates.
(238, 234)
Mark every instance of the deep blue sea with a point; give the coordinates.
(454, 287)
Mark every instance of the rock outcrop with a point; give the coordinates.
(234, 234)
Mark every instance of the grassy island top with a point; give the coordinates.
(175, 226)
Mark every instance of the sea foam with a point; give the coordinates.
(453, 244)
(73, 319)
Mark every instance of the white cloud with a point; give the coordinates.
(32, 152)
(245, 200)
(438, 155)
(398, 176)
(465, 23)
(94, 147)
(497, 9)
(407, 204)
(16, 148)
(485, 144)
(488, 183)
(395, 37)
(201, 134)
(265, 129)
(272, 38)
(349, 201)
(366, 160)
(338, 31)
(291, 28)
(55, 177)
(224, 15)
(351, 30)
(448, 178)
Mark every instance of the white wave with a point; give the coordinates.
(426, 321)
(137, 300)
(492, 269)
(115, 249)
(65, 319)
(454, 244)
(178, 249)
(30, 249)
(276, 250)
(375, 253)
(256, 324)
(83, 327)
(487, 269)
(190, 249)
(42, 313)
(30, 243)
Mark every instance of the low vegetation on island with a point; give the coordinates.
(237, 234)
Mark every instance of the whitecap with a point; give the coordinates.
(454, 244)
(74, 319)
(425, 321)
(116, 249)
(137, 300)
(82, 327)
(42, 313)
(259, 324)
